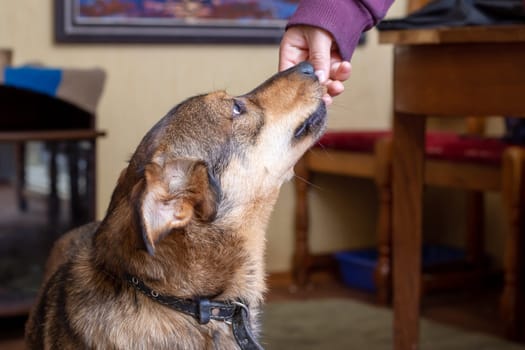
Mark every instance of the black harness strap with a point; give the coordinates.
(205, 310)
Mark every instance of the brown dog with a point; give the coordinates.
(178, 260)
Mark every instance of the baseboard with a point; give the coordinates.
(279, 279)
(285, 278)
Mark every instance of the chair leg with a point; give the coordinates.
(475, 240)
(91, 185)
(53, 210)
(513, 192)
(74, 199)
(20, 161)
(383, 179)
(301, 257)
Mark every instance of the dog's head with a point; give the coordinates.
(217, 154)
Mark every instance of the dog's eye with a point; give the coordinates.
(238, 108)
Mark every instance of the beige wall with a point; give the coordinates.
(144, 81)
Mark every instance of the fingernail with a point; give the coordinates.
(320, 75)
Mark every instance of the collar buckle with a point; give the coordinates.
(204, 311)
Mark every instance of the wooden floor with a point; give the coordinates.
(473, 309)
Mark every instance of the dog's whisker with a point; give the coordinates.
(309, 183)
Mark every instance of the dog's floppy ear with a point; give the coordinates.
(175, 192)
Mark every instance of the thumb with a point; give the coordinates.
(320, 43)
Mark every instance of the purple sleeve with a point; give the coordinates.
(344, 19)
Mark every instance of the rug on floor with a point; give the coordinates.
(345, 324)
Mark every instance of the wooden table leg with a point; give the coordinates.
(408, 158)
(91, 184)
(75, 202)
(53, 209)
(20, 161)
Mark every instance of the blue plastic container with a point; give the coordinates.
(357, 266)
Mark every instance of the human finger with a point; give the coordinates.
(320, 46)
(327, 99)
(340, 71)
(293, 48)
(335, 88)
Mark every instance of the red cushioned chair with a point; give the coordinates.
(355, 154)
(451, 161)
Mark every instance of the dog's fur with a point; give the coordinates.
(187, 217)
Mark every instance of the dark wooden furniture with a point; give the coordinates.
(450, 72)
(31, 116)
(452, 159)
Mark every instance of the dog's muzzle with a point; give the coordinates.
(314, 124)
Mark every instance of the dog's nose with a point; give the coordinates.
(306, 68)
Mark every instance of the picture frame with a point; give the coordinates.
(172, 21)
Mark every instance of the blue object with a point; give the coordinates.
(357, 266)
(39, 79)
(514, 131)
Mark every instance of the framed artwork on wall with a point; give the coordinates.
(164, 21)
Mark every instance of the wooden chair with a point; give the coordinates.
(368, 154)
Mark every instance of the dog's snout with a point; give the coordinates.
(306, 68)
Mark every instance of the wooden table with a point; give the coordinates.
(28, 115)
(440, 72)
(53, 138)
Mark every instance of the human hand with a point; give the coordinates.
(308, 43)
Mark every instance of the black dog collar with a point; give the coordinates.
(204, 310)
